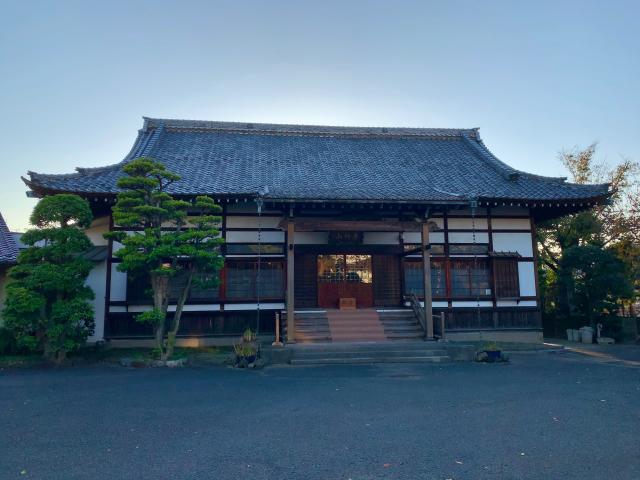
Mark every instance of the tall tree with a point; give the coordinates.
(172, 243)
(47, 305)
(615, 221)
(598, 280)
(605, 226)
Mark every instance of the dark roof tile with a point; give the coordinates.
(8, 246)
(301, 162)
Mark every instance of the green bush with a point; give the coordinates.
(8, 343)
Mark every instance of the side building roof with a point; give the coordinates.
(8, 245)
(309, 163)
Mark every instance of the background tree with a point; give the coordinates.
(171, 250)
(47, 306)
(577, 237)
(598, 280)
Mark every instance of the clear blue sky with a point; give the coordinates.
(77, 76)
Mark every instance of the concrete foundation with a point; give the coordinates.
(519, 336)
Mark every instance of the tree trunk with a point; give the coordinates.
(184, 295)
(160, 287)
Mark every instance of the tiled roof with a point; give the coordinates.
(8, 246)
(300, 162)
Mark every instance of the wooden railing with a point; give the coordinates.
(418, 310)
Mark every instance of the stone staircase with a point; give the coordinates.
(363, 325)
(337, 353)
(355, 326)
(312, 326)
(400, 324)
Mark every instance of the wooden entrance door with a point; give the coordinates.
(345, 276)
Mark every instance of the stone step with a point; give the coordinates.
(372, 353)
(419, 345)
(402, 326)
(394, 337)
(399, 320)
(368, 360)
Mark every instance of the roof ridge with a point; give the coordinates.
(304, 129)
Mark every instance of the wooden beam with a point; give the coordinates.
(323, 225)
(291, 321)
(426, 270)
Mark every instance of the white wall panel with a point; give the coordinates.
(527, 277)
(252, 222)
(98, 228)
(416, 237)
(513, 242)
(311, 238)
(467, 223)
(438, 221)
(514, 303)
(473, 304)
(381, 238)
(510, 224)
(118, 284)
(253, 306)
(467, 237)
(97, 282)
(252, 237)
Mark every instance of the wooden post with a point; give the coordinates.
(291, 321)
(443, 335)
(277, 343)
(426, 270)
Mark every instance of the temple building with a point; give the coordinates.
(345, 233)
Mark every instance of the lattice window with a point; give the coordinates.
(242, 280)
(506, 278)
(470, 278)
(414, 282)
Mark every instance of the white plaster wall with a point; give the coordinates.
(381, 238)
(482, 303)
(98, 228)
(467, 237)
(514, 303)
(467, 223)
(513, 242)
(311, 238)
(527, 278)
(433, 304)
(510, 224)
(252, 237)
(254, 306)
(439, 221)
(252, 222)
(118, 284)
(213, 307)
(416, 237)
(96, 280)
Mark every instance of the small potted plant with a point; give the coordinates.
(494, 354)
(247, 351)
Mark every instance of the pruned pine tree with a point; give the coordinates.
(172, 243)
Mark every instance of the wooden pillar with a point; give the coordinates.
(426, 270)
(291, 321)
